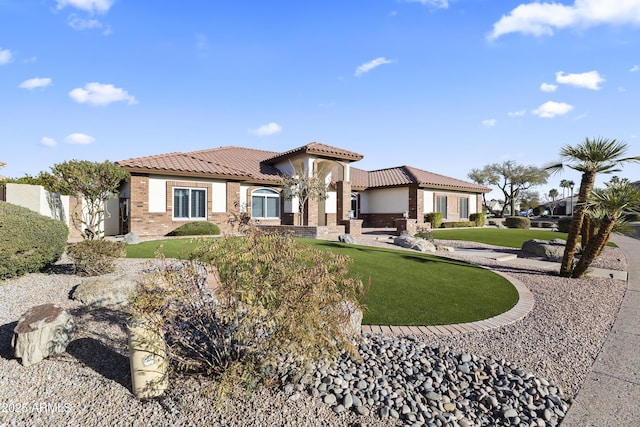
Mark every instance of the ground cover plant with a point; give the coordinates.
(406, 288)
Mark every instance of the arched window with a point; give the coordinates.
(265, 203)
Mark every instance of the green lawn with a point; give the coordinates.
(407, 288)
(509, 237)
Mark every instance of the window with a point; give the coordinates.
(265, 203)
(441, 205)
(463, 208)
(353, 213)
(190, 203)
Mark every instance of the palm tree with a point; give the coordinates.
(608, 205)
(564, 184)
(553, 194)
(593, 156)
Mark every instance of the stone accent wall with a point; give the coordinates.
(353, 227)
(416, 203)
(343, 190)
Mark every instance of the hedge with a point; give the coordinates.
(521, 222)
(478, 218)
(29, 242)
(458, 224)
(196, 228)
(564, 224)
(435, 218)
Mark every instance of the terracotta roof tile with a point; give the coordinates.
(404, 175)
(318, 149)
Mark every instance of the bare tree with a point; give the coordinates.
(303, 186)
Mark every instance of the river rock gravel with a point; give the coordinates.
(545, 358)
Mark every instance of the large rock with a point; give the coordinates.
(353, 327)
(552, 250)
(406, 240)
(105, 291)
(43, 331)
(131, 239)
(347, 238)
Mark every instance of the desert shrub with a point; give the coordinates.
(478, 218)
(29, 242)
(564, 224)
(458, 224)
(517, 222)
(275, 305)
(95, 257)
(425, 233)
(435, 218)
(196, 228)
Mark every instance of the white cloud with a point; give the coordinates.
(489, 123)
(541, 19)
(35, 83)
(81, 24)
(366, 67)
(101, 94)
(441, 4)
(548, 87)
(635, 68)
(91, 6)
(5, 56)
(79, 139)
(49, 142)
(519, 113)
(552, 109)
(269, 129)
(589, 80)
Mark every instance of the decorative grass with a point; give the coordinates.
(406, 288)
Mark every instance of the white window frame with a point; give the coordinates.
(272, 194)
(189, 216)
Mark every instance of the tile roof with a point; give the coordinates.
(405, 175)
(318, 149)
(248, 164)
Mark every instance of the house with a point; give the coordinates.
(216, 184)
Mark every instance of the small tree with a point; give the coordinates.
(512, 179)
(551, 200)
(94, 182)
(304, 186)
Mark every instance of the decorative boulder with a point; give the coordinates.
(353, 327)
(347, 238)
(442, 248)
(552, 250)
(406, 240)
(131, 239)
(43, 331)
(105, 291)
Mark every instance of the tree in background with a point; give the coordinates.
(551, 199)
(481, 177)
(593, 156)
(304, 187)
(94, 182)
(512, 179)
(607, 208)
(565, 184)
(528, 199)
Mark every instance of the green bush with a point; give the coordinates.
(457, 224)
(273, 299)
(95, 257)
(435, 218)
(425, 233)
(521, 222)
(29, 242)
(564, 224)
(478, 218)
(197, 228)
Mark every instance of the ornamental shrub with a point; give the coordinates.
(95, 257)
(268, 305)
(29, 242)
(521, 222)
(478, 218)
(196, 228)
(435, 218)
(564, 224)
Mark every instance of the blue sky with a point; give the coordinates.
(442, 85)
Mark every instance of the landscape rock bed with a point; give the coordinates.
(90, 383)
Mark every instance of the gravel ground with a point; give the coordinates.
(90, 383)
